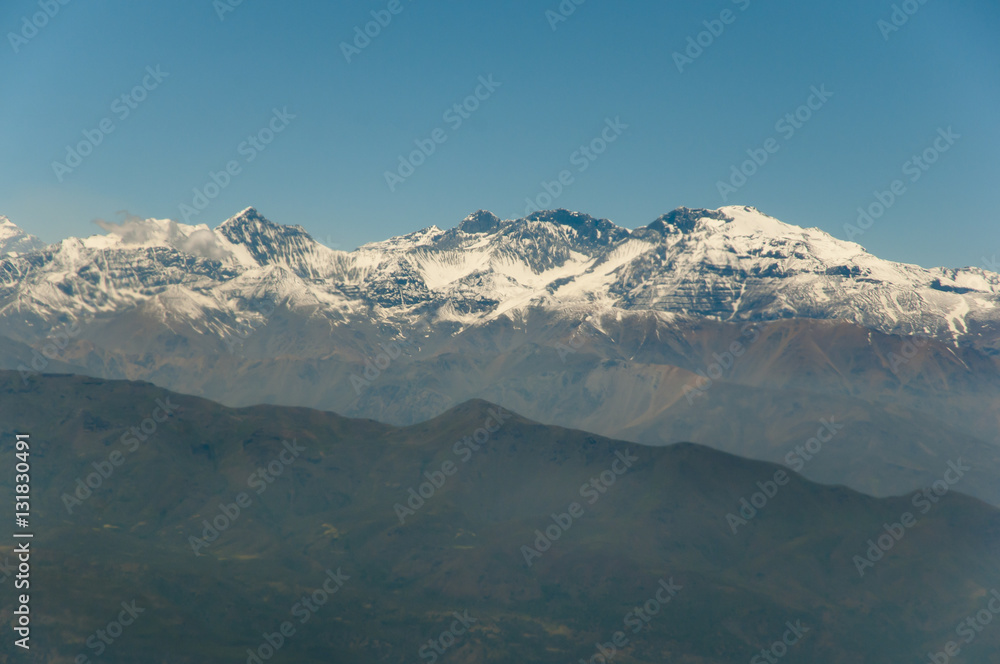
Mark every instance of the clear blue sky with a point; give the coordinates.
(326, 169)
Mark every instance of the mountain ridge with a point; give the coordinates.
(332, 506)
(734, 263)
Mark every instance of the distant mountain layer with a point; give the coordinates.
(478, 536)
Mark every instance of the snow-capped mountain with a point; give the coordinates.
(568, 319)
(730, 264)
(13, 240)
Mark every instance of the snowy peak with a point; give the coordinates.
(742, 235)
(481, 221)
(268, 244)
(682, 220)
(254, 231)
(247, 218)
(583, 228)
(13, 240)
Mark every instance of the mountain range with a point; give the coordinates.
(730, 264)
(722, 327)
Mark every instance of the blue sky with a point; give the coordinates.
(561, 82)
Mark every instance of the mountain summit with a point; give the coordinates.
(13, 240)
